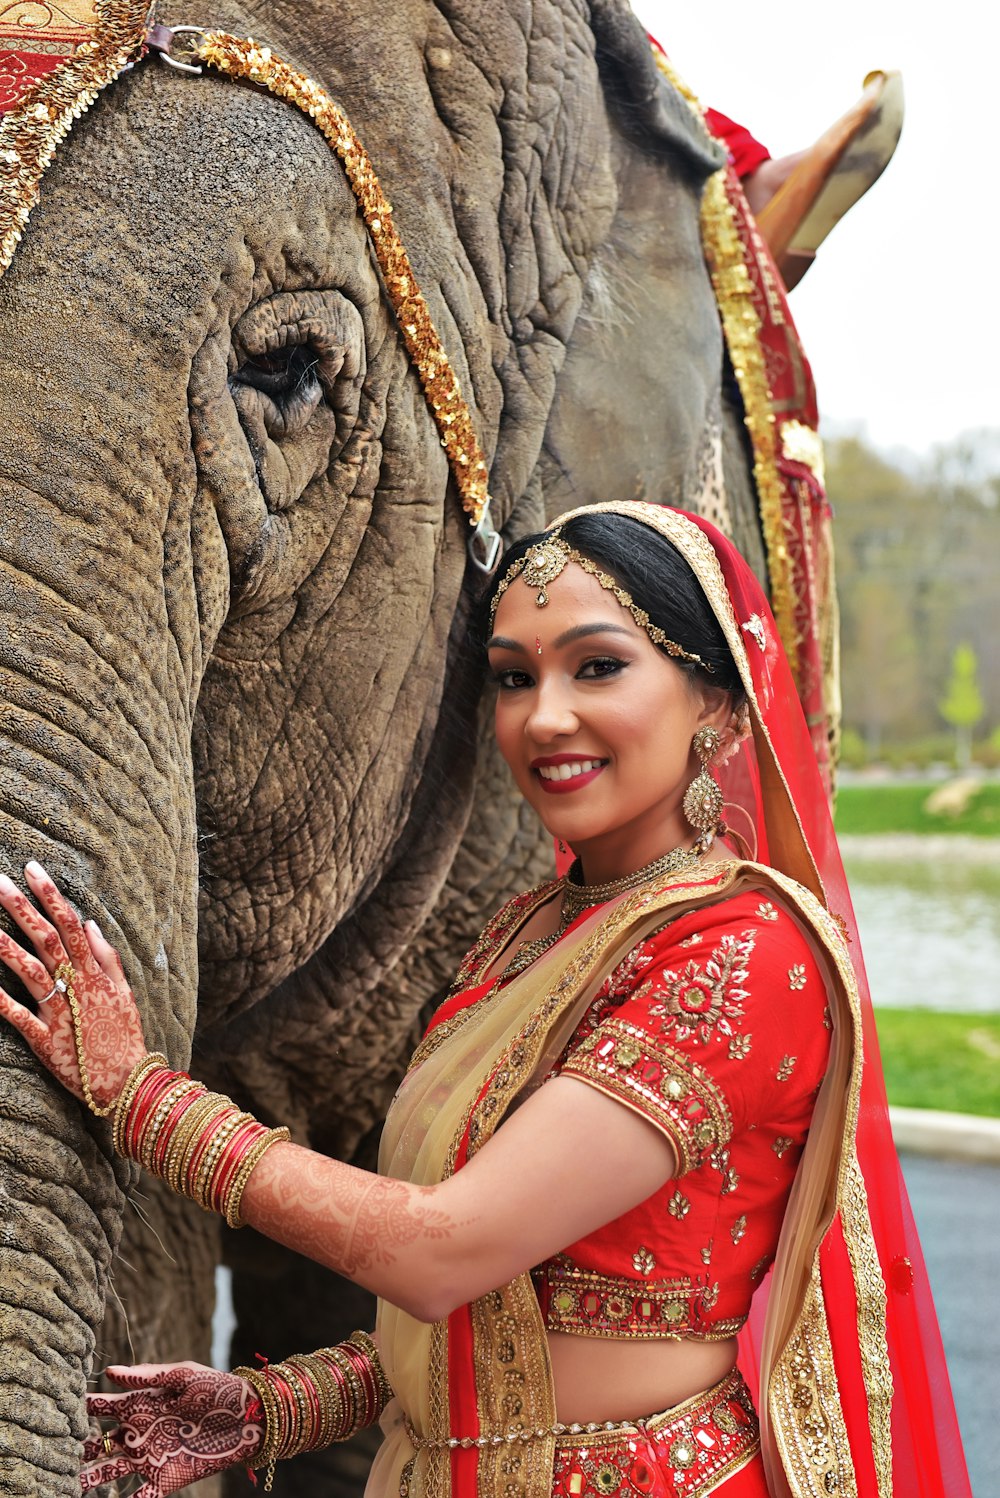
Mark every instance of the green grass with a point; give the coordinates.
(886, 808)
(946, 1061)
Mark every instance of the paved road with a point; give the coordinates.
(957, 1208)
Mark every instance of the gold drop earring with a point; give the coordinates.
(702, 804)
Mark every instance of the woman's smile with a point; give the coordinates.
(596, 723)
(560, 773)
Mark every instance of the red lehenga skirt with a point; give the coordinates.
(708, 1444)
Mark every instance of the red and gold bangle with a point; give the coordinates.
(314, 1399)
(203, 1150)
(137, 1076)
(218, 1137)
(199, 1142)
(366, 1377)
(181, 1098)
(366, 1344)
(147, 1095)
(258, 1149)
(190, 1131)
(348, 1422)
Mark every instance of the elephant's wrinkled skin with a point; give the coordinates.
(238, 719)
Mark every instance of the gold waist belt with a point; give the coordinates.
(725, 1410)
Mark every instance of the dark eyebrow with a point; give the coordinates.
(578, 632)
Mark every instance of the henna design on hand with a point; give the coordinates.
(111, 1029)
(176, 1424)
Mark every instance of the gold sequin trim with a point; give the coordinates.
(742, 326)
(804, 1399)
(244, 58)
(853, 1204)
(31, 132)
(513, 1389)
(661, 1083)
(801, 444)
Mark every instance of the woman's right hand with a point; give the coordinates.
(110, 1027)
(175, 1423)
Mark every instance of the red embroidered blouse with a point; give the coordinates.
(715, 1030)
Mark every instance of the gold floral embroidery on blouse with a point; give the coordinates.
(678, 1206)
(703, 997)
(643, 1261)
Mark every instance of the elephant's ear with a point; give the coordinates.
(646, 106)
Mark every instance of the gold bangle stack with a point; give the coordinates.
(312, 1400)
(199, 1142)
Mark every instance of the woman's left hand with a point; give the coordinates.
(175, 1424)
(110, 1027)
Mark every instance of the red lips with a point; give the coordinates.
(562, 785)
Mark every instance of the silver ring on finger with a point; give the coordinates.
(59, 986)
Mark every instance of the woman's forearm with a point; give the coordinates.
(385, 1235)
(527, 1193)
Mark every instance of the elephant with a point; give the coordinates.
(241, 720)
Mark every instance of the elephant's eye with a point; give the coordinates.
(285, 373)
(294, 373)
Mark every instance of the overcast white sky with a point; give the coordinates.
(899, 314)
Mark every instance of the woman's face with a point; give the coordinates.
(596, 723)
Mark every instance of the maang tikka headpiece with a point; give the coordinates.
(542, 564)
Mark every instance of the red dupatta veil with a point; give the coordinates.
(927, 1457)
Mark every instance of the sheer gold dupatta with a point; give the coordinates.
(464, 1087)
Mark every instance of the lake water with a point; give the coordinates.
(929, 913)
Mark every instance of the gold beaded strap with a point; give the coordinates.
(63, 978)
(246, 59)
(122, 35)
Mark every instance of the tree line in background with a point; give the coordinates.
(917, 578)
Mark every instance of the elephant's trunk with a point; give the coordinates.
(95, 781)
(55, 1254)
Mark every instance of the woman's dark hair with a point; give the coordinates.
(659, 580)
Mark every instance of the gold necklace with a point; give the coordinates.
(576, 898)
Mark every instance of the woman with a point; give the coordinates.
(647, 1090)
